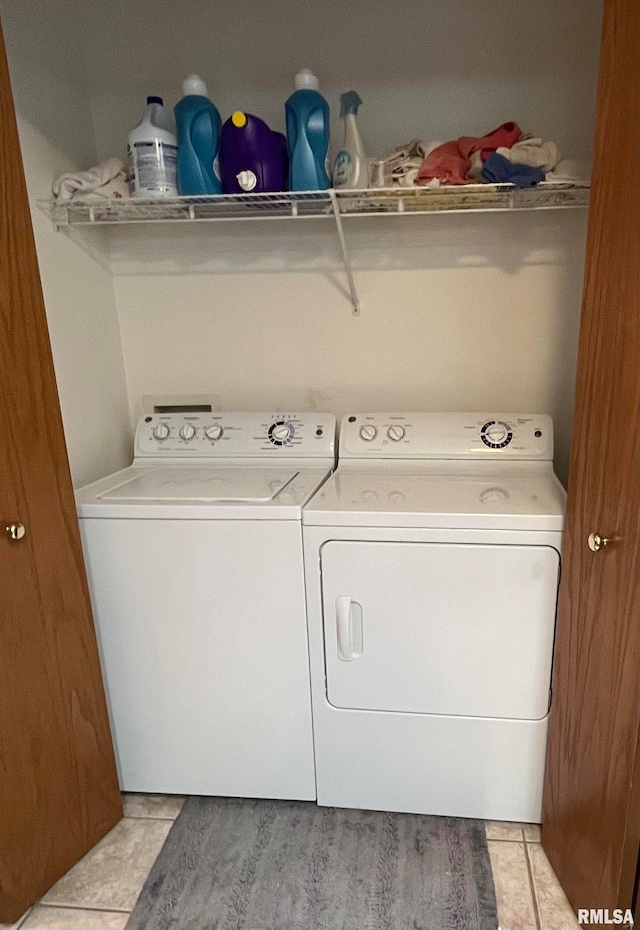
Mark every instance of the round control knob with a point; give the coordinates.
(187, 432)
(214, 432)
(396, 433)
(496, 433)
(368, 433)
(161, 431)
(281, 432)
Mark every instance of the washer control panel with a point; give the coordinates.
(446, 436)
(236, 435)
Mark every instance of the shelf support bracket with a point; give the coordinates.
(355, 303)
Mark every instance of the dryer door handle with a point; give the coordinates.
(349, 628)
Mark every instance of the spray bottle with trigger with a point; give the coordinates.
(351, 169)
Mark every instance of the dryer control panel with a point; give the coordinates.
(446, 436)
(215, 435)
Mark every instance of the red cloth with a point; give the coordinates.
(450, 163)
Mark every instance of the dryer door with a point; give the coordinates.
(438, 628)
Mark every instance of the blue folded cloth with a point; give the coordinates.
(499, 170)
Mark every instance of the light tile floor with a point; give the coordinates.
(528, 894)
(101, 890)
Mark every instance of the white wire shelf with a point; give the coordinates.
(307, 204)
(390, 201)
(207, 208)
(467, 198)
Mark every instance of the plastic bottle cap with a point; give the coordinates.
(349, 102)
(306, 80)
(154, 100)
(194, 86)
(247, 180)
(239, 119)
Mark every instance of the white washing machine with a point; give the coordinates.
(194, 558)
(432, 564)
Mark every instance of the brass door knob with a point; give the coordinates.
(596, 541)
(15, 530)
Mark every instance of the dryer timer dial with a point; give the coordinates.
(496, 434)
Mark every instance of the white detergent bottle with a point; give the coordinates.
(351, 169)
(153, 153)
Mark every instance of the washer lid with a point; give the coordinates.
(202, 485)
(461, 496)
(202, 492)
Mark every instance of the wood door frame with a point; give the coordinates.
(60, 791)
(591, 821)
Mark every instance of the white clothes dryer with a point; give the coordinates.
(194, 559)
(432, 565)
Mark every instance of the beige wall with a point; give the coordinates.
(423, 68)
(53, 107)
(458, 313)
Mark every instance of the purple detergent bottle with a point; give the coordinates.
(253, 158)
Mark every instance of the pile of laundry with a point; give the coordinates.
(504, 156)
(107, 181)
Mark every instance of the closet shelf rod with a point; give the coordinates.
(355, 303)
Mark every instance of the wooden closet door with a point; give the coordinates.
(590, 812)
(58, 784)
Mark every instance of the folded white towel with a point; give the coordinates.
(567, 170)
(106, 181)
(402, 164)
(533, 152)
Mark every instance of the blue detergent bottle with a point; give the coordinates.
(307, 114)
(198, 126)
